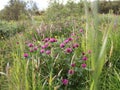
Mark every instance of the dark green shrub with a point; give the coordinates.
(8, 29)
(106, 6)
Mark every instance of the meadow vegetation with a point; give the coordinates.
(68, 47)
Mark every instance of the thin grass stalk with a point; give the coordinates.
(87, 20)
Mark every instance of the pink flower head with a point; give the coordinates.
(42, 51)
(31, 50)
(68, 50)
(81, 30)
(48, 52)
(43, 47)
(35, 48)
(62, 45)
(25, 55)
(70, 39)
(75, 45)
(46, 40)
(17, 42)
(73, 34)
(84, 58)
(73, 64)
(83, 65)
(89, 51)
(83, 53)
(66, 41)
(30, 45)
(46, 45)
(65, 81)
(71, 72)
(53, 40)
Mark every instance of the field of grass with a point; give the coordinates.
(78, 52)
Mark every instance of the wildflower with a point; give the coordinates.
(46, 44)
(43, 47)
(73, 34)
(89, 51)
(75, 45)
(71, 72)
(84, 58)
(70, 39)
(31, 50)
(35, 48)
(81, 30)
(65, 81)
(68, 50)
(25, 55)
(30, 45)
(17, 42)
(83, 53)
(42, 51)
(62, 45)
(53, 40)
(83, 65)
(48, 52)
(73, 64)
(46, 40)
(66, 41)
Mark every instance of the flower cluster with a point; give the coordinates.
(72, 71)
(85, 58)
(50, 47)
(69, 45)
(44, 47)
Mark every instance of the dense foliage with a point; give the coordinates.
(64, 49)
(8, 29)
(18, 9)
(106, 6)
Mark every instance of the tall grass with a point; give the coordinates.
(96, 41)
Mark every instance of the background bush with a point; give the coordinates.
(106, 6)
(8, 29)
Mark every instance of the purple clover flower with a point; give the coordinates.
(62, 45)
(46, 45)
(75, 45)
(70, 39)
(42, 51)
(46, 39)
(83, 65)
(65, 81)
(83, 53)
(31, 50)
(48, 52)
(73, 34)
(66, 41)
(25, 55)
(81, 30)
(43, 47)
(17, 42)
(30, 45)
(89, 51)
(68, 50)
(73, 64)
(71, 72)
(84, 58)
(53, 40)
(35, 48)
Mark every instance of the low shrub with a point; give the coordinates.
(8, 29)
